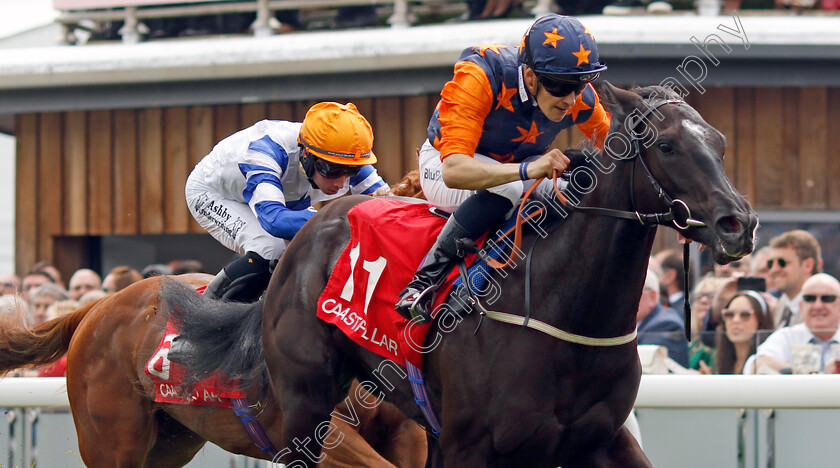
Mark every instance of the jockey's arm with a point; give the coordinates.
(465, 172)
(368, 182)
(280, 221)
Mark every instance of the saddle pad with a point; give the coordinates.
(388, 240)
(168, 377)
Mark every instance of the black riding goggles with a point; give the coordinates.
(560, 88)
(332, 170)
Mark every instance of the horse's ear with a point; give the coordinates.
(617, 101)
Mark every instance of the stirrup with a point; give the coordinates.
(416, 314)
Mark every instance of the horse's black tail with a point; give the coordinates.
(223, 337)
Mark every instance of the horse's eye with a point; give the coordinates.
(666, 148)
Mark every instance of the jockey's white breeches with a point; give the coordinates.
(449, 199)
(231, 222)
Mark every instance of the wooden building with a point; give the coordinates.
(107, 134)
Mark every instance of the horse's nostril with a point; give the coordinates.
(729, 225)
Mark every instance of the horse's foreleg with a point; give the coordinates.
(307, 430)
(348, 449)
(175, 445)
(624, 452)
(302, 370)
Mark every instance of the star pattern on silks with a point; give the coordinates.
(494, 47)
(582, 55)
(521, 44)
(504, 97)
(503, 158)
(529, 135)
(587, 31)
(551, 37)
(580, 105)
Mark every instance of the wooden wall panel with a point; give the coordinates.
(415, 120)
(150, 151)
(126, 173)
(100, 173)
(226, 121)
(176, 167)
(813, 147)
(281, 111)
(717, 107)
(387, 139)
(75, 173)
(26, 192)
(251, 114)
(790, 149)
(769, 122)
(745, 146)
(201, 142)
(833, 153)
(49, 181)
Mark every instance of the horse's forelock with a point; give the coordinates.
(656, 93)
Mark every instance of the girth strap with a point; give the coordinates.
(558, 333)
(421, 397)
(252, 427)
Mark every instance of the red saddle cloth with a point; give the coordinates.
(388, 240)
(168, 376)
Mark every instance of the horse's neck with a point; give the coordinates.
(600, 261)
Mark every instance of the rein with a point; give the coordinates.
(645, 219)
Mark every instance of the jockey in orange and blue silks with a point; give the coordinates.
(492, 131)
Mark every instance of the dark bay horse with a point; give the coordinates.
(510, 395)
(119, 424)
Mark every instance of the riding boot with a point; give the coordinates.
(241, 281)
(416, 299)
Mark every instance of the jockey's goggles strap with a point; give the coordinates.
(354, 156)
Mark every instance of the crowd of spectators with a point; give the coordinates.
(40, 295)
(774, 311)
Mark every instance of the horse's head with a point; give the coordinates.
(672, 146)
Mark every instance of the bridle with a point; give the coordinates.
(647, 219)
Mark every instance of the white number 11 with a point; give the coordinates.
(374, 268)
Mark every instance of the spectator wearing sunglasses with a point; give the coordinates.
(256, 188)
(492, 133)
(820, 312)
(745, 322)
(796, 256)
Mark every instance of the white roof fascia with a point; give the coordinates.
(378, 49)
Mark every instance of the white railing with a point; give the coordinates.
(787, 418)
(656, 391)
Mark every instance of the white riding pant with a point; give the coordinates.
(449, 199)
(231, 222)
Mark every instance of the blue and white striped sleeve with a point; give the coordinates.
(263, 167)
(366, 181)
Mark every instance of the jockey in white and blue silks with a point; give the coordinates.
(255, 189)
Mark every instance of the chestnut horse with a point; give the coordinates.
(119, 424)
(547, 377)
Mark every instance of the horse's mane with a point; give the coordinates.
(409, 186)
